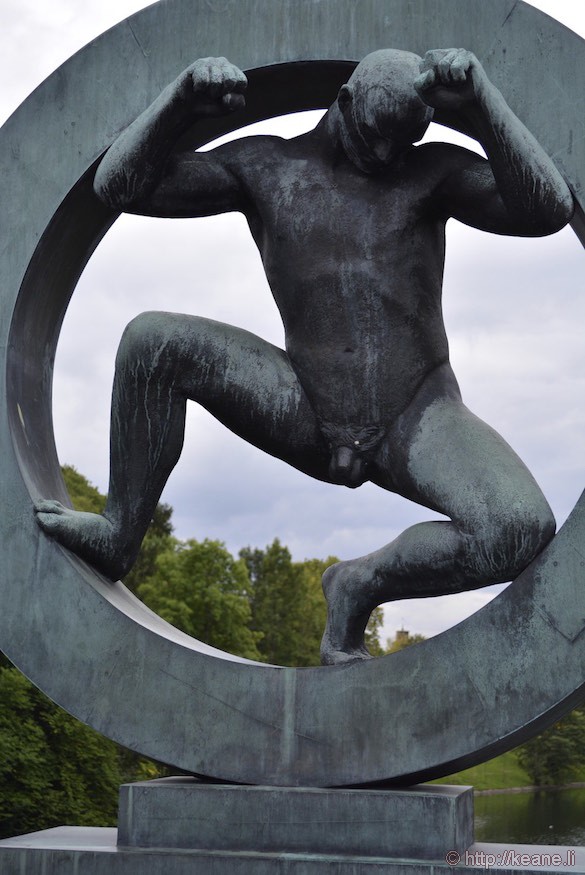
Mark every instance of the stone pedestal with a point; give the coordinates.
(421, 822)
(181, 826)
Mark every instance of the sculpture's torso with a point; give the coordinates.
(355, 263)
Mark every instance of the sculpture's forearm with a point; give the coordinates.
(132, 167)
(532, 189)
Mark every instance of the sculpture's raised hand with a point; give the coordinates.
(448, 78)
(211, 87)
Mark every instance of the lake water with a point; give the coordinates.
(552, 818)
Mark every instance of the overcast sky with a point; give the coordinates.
(514, 311)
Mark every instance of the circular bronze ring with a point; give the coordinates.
(457, 699)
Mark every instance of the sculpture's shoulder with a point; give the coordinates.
(262, 163)
(428, 166)
(245, 151)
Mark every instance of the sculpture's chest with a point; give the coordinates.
(302, 203)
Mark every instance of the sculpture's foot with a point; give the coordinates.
(343, 639)
(89, 535)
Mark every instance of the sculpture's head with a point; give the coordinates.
(381, 112)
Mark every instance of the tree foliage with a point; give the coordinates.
(83, 494)
(53, 769)
(200, 588)
(283, 600)
(556, 755)
(373, 629)
(157, 541)
(403, 639)
(288, 606)
(261, 605)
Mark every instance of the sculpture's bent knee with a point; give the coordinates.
(150, 340)
(509, 542)
(143, 332)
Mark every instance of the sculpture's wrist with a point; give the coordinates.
(484, 106)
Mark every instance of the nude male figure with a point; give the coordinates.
(350, 222)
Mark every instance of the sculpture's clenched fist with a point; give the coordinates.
(449, 78)
(211, 87)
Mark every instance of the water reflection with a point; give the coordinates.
(552, 818)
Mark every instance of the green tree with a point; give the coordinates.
(275, 592)
(280, 604)
(312, 610)
(84, 496)
(200, 588)
(373, 629)
(403, 639)
(557, 754)
(262, 606)
(53, 769)
(288, 606)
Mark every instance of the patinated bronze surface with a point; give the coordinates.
(350, 222)
(486, 685)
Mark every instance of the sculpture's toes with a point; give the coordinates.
(50, 506)
(49, 521)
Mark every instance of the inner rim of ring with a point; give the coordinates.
(34, 330)
(70, 239)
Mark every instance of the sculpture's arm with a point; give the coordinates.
(520, 191)
(140, 173)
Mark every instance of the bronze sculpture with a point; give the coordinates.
(349, 220)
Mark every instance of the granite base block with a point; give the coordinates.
(87, 851)
(421, 822)
(182, 826)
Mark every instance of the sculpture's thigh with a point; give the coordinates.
(446, 458)
(245, 382)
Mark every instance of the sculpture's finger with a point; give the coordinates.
(234, 101)
(432, 58)
(425, 81)
(445, 66)
(460, 66)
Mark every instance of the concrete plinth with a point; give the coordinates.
(420, 822)
(86, 851)
(181, 826)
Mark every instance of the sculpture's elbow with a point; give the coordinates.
(552, 217)
(563, 209)
(104, 186)
(119, 191)
(566, 209)
(559, 212)
(103, 193)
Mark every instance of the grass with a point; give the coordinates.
(500, 773)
